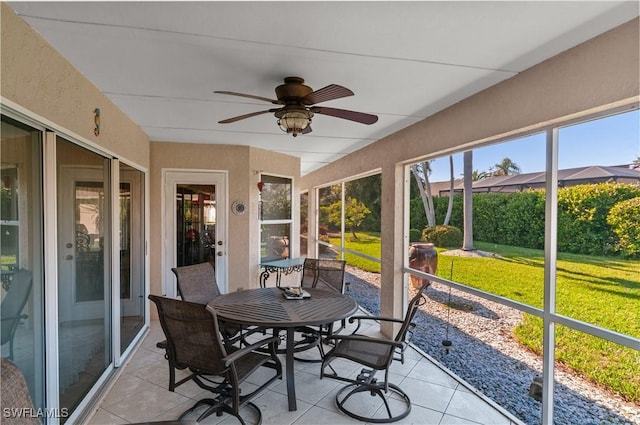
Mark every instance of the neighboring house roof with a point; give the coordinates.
(568, 177)
(439, 188)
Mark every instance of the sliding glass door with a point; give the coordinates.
(21, 253)
(131, 254)
(84, 270)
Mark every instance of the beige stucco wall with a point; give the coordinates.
(597, 75)
(37, 78)
(243, 165)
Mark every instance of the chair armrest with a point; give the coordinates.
(363, 338)
(376, 318)
(20, 316)
(248, 348)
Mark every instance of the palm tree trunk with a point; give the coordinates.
(467, 243)
(451, 181)
(427, 200)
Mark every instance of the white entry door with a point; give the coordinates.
(194, 223)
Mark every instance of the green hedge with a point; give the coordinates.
(517, 219)
(624, 219)
(582, 218)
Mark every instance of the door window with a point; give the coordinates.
(195, 224)
(275, 218)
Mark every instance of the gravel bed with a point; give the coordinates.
(486, 354)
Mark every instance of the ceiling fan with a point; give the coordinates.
(299, 99)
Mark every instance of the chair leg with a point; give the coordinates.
(219, 406)
(172, 378)
(197, 404)
(375, 390)
(11, 348)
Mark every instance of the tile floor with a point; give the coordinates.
(140, 394)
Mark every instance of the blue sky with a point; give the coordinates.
(613, 140)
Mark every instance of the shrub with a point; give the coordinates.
(582, 216)
(323, 235)
(624, 219)
(443, 236)
(414, 235)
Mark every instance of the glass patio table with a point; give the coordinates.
(268, 308)
(280, 267)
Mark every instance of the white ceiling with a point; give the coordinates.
(161, 61)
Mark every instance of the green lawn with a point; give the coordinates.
(600, 290)
(367, 243)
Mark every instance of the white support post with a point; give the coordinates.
(550, 255)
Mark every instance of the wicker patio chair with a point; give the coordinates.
(194, 342)
(16, 398)
(15, 395)
(375, 354)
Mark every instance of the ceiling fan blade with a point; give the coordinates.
(250, 96)
(241, 117)
(307, 130)
(332, 91)
(360, 117)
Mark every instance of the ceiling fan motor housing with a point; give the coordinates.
(292, 90)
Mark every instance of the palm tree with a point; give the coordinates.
(479, 175)
(506, 167)
(451, 182)
(421, 173)
(467, 242)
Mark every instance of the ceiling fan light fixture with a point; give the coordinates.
(294, 122)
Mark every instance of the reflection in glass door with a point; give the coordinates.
(131, 247)
(195, 224)
(84, 293)
(21, 254)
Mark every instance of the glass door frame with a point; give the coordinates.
(170, 179)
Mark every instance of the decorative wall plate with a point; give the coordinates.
(238, 207)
